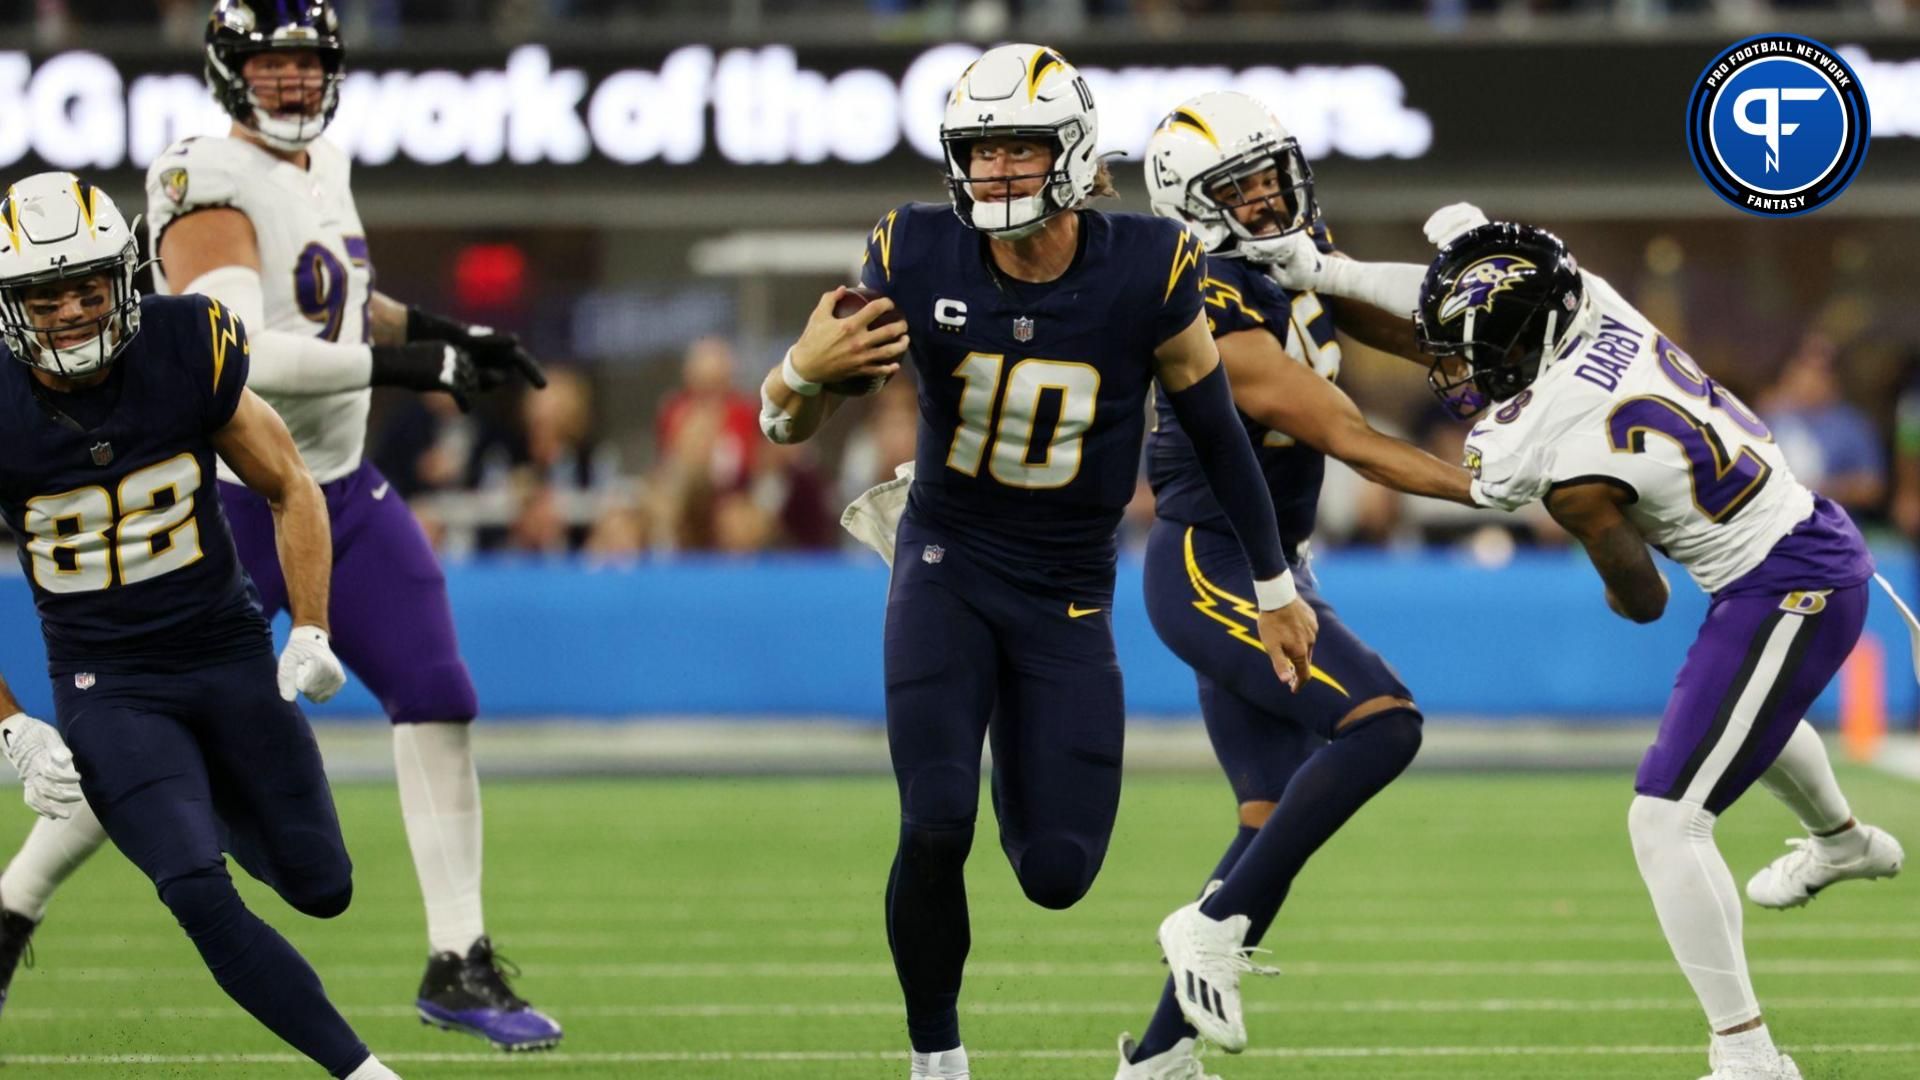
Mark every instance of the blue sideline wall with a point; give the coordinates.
(801, 637)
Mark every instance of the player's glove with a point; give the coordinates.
(44, 763)
(497, 356)
(1295, 262)
(308, 666)
(1449, 223)
(428, 366)
(1520, 479)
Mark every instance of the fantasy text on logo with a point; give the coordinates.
(1778, 125)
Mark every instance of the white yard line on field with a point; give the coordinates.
(779, 970)
(522, 1061)
(729, 1010)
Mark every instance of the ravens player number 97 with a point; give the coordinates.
(264, 221)
(1036, 327)
(184, 735)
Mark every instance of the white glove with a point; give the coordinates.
(1522, 478)
(1449, 222)
(1295, 262)
(44, 763)
(874, 517)
(308, 666)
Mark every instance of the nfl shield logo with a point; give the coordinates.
(933, 554)
(174, 183)
(1023, 329)
(83, 680)
(102, 453)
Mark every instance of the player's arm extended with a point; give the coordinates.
(1189, 368)
(1378, 328)
(215, 252)
(1292, 398)
(793, 403)
(1591, 512)
(255, 444)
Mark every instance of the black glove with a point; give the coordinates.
(497, 356)
(428, 366)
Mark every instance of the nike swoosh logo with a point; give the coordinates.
(381, 491)
(1074, 611)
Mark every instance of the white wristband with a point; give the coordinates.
(795, 381)
(1275, 592)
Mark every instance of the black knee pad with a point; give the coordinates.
(1056, 870)
(1397, 731)
(312, 873)
(941, 797)
(202, 901)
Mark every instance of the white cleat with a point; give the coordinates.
(1770, 1065)
(1800, 874)
(1207, 957)
(1182, 1062)
(941, 1065)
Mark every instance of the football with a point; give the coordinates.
(855, 298)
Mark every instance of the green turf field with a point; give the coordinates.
(1464, 926)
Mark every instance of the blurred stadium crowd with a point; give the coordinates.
(59, 22)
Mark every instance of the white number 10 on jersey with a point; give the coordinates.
(1019, 394)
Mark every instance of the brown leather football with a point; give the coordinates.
(855, 298)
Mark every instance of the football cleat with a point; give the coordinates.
(1798, 876)
(470, 993)
(16, 941)
(1181, 1062)
(1207, 957)
(941, 1065)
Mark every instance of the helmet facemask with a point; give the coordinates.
(30, 310)
(266, 97)
(988, 203)
(1470, 373)
(1273, 178)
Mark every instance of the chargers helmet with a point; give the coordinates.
(56, 227)
(1495, 306)
(239, 29)
(1199, 159)
(1022, 92)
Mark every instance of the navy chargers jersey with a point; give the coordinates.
(1033, 396)
(110, 495)
(1240, 296)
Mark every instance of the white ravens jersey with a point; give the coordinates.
(1621, 404)
(314, 271)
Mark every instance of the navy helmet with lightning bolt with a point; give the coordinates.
(1494, 306)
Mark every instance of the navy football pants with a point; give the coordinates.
(970, 655)
(181, 766)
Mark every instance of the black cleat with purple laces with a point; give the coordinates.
(470, 993)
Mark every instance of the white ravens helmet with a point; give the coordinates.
(55, 228)
(1208, 157)
(1021, 92)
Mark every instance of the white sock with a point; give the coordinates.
(440, 802)
(1699, 907)
(1757, 1042)
(1802, 777)
(371, 1069)
(941, 1063)
(53, 850)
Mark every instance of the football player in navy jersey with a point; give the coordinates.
(1300, 764)
(180, 725)
(1037, 328)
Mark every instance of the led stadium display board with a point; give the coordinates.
(691, 107)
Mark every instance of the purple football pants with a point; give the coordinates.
(392, 625)
(1754, 671)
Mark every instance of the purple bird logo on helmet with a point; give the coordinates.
(1478, 284)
